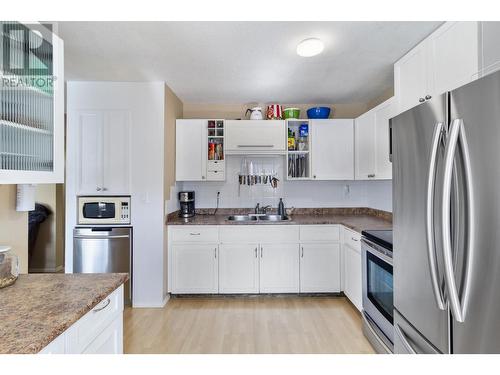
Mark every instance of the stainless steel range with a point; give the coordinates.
(378, 296)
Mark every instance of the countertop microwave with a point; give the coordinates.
(103, 210)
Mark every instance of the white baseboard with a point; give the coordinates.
(152, 305)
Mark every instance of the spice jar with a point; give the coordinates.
(9, 267)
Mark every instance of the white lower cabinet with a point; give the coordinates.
(279, 268)
(239, 268)
(100, 331)
(195, 268)
(253, 259)
(352, 268)
(320, 267)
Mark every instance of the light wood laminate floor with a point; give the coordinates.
(263, 324)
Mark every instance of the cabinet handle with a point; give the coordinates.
(421, 100)
(98, 188)
(215, 253)
(108, 301)
(256, 252)
(104, 189)
(371, 175)
(242, 146)
(302, 252)
(202, 177)
(427, 97)
(194, 234)
(314, 176)
(354, 239)
(261, 251)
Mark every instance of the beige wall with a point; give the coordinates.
(48, 255)
(173, 111)
(13, 226)
(234, 111)
(387, 94)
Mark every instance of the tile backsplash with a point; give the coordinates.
(375, 194)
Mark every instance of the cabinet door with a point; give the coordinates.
(195, 268)
(279, 268)
(333, 149)
(454, 56)
(116, 151)
(190, 150)
(490, 47)
(353, 277)
(364, 146)
(319, 267)
(255, 136)
(90, 157)
(410, 78)
(383, 166)
(239, 268)
(109, 341)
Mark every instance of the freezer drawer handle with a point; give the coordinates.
(456, 134)
(106, 304)
(100, 237)
(404, 340)
(429, 220)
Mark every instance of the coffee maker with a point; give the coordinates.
(186, 202)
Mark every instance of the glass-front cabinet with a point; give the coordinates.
(31, 104)
(298, 149)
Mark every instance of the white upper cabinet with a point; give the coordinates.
(365, 145)
(103, 151)
(447, 59)
(255, 136)
(454, 58)
(190, 152)
(411, 78)
(489, 47)
(332, 149)
(32, 115)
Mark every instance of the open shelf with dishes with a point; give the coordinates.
(215, 146)
(298, 156)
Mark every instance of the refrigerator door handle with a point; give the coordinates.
(456, 134)
(471, 230)
(431, 249)
(403, 339)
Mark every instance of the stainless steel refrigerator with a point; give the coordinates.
(446, 199)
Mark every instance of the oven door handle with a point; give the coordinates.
(403, 339)
(373, 250)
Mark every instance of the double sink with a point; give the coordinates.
(253, 217)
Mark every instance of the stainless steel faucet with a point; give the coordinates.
(261, 210)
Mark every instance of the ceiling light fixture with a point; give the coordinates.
(310, 47)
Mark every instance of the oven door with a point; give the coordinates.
(378, 294)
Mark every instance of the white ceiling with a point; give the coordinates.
(244, 62)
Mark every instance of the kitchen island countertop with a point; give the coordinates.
(39, 307)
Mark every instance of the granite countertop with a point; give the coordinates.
(358, 219)
(39, 307)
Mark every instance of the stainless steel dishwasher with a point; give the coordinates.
(104, 250)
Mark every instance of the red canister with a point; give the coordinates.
(274, 112)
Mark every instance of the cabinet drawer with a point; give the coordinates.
(85, 330)
(215, 176)
(195, 233)
(352, 239)
(259, 233)
(215, 165)
(320, 233)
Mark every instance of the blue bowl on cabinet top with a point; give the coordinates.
(318, 112)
